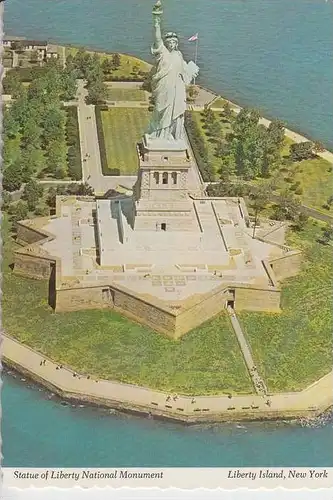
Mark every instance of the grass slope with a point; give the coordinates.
(294, 349)
(123, 127)
(107, 345)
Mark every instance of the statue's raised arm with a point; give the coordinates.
(171, 75)
(157, 15)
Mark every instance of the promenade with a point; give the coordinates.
(125, 397)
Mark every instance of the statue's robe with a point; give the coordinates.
(169, 93)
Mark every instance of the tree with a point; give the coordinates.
(32, 161)
(68, 83)
(227, 113)
(51, 197)
(30, 134)
(318, 147)
(19, 211)
(192, 93)
(32, 193)
(301, 151)
(12, 83)
(259, 197)
(12, 177)
(97, 92)
(84, 189)
(11, 126)
(147, 82)
(54, 124)
(208, 116)
(274, 144)
(288, 207)
(214, 129)
(17, 46)
(227, 168)
(57, 158)
(107, 66)
(116, 62)
(6, 200)
(327, 234)
(300, 221)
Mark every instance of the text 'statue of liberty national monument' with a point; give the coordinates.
(171, 76)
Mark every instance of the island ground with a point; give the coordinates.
(228, 374)
(292, 349)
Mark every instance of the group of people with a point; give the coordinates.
(175, 397)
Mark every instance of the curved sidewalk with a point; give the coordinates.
(311, 402)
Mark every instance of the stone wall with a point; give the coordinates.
(149, 314)
(74, 299)
(252, 299)
(212, 304)
(288, 265)
(31, 266)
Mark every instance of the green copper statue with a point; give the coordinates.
(171, 76)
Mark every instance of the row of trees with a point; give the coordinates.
(35, 138)
(35, 200)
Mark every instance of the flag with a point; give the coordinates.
(194, 38)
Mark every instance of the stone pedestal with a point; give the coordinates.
(161, 191)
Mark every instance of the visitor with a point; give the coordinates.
(193, 401)
(168, 399)
(41, 363)
(88, 377)
(44, 362)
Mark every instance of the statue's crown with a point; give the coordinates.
(170, 34)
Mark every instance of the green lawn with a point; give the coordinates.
(127, 62)
(315, 179)
(116, 94)
(106, 345)
(294, 349)
(218, 103)
(123, 128)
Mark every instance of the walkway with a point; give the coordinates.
(311, 401)
(258, 382)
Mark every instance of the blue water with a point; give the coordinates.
(275, 55)
(40, 432)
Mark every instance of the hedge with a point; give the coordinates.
(101, 141)
(73, 141)
(199, 148)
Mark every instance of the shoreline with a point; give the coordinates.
(140, 401)
(143, 401)
(296, 135)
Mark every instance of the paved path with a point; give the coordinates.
(90, 152)
(258, 382)
(115, 394)
(15, 59)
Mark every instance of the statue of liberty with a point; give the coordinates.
(169, 81)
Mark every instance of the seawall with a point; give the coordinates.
(309, 403)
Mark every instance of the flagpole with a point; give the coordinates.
(196, 54)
